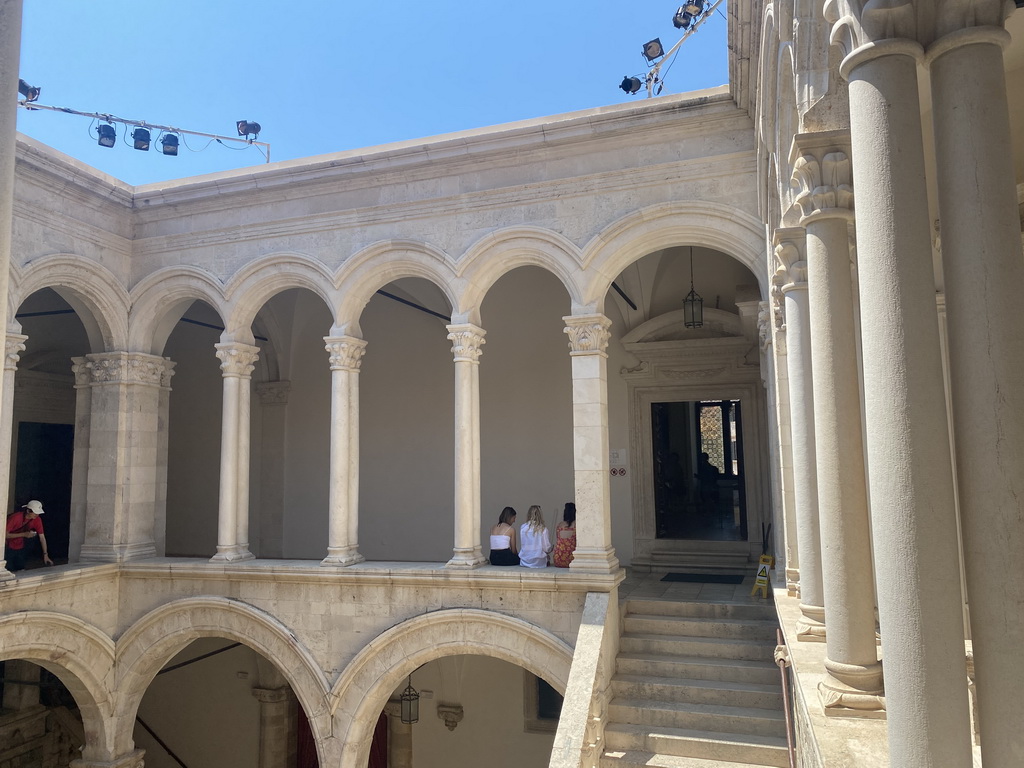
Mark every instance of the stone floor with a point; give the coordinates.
(650, 587)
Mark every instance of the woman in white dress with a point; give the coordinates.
(535, 542)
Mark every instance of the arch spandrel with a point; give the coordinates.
(260, 280)
(721, 227)
(152, 641)
(96, 294)
(82, 658)
(364, 686)
(498, 253)
(384, 262)
(159, 301)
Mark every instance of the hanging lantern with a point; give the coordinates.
(410, 704)
(693, 304)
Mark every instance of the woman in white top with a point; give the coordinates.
(504, 547)
(536, 542)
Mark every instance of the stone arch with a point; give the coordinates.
(381, 263)
(80, 655)
(93, 291)
(160, 299)
(153, 640)
(711, 225)
(499, 252)
(364, 686)
(765, 119)
(257, 282)
(787, 125)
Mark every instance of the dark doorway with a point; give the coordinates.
(43, 472)
(698, 470)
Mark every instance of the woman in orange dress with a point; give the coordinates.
(565, 538)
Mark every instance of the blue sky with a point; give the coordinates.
(329, 75)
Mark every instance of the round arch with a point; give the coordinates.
(82, 658)
(160, 299)
(96, 295)
(381, 263)
(498, 253)
(257, 282)
(144, 649)
(711, 225)
(364, 686)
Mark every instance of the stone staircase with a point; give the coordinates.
(696, 686)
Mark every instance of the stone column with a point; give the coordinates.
(588, 342)
(80, 461)
(273, 397)
(789, 251)
(399, 737)
(15, 345)
(821, 168)
(277, 726)
(910, 477)
(346, 354)
(134, 760)
(467, 340)
(237, 363)
(162, 431)
(984, 281)
(124, 452)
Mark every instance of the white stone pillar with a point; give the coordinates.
(821, 168)
(399, 737)
(467, 340)
(588, 342)
(277, 726)
(80, 461)
(15, 345)
(162, 431)
(984, 281)
(789, 251)
(124, 448)
(346, 355)
(910, 477)
(273, 398)
(237, 363)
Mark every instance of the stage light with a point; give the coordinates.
(653, 49)
(140, 137)
(108, 136)
(30, 92)
(169, 144)
(631, 84)
(245, 127)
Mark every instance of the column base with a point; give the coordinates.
(852, 690)
(467, 558)
(232, 554)
(6, 575)
(811, 626)
(342, 557)
(793, 582)
(594, 561)
(116, 553)
(134, 760)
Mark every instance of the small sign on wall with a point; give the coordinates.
(617, 460)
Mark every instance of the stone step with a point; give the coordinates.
(756, 609)
(698, 691)
(649, 760)
(698, 668)
(701, 717)
(685, 626)
(705, 745)
(713, 647)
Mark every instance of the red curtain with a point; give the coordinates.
(306, 746)
(379, 745)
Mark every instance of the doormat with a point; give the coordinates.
(704, 578)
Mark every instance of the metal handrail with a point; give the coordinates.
(782, 660)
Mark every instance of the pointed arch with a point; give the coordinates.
(364, 686)
(80, 655)
(157, 637)
(498, 253)
(93, 291)
(160, 299)
(711, 225)
(384, 262)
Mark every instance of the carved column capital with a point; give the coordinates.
(13, 349)
(122, 368)
(765, 324)
(861, 28)
(467, 340)
(346, 352)
(273, 392)
(790, 259)
(272, 695)
(588, 334)
(822, 175)
(237, 359)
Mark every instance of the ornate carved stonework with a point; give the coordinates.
(792, 269)
(467, 341)
(273, 392)
(824, 186)
(764, 324)
(122, 368)
(272, 695)
(15, 346)
(346, 352)
(588, 334)
(237, 359)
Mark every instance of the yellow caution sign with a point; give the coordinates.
(761, 581)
